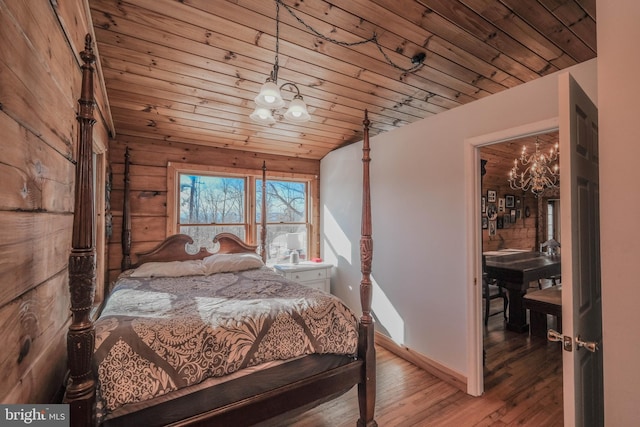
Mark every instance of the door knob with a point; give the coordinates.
(555, 336)
(589, 345)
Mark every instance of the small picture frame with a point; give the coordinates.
(513, 215)
(491, 196)
(506, 220)
(492, 228)
(509, 201)
(499, 223)
(492, 211)
(501, 204)
(485, 222)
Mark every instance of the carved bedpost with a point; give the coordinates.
(263, 217)
(80, 392)
(366, 349)
(126, 216)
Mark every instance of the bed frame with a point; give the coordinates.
(300, 395)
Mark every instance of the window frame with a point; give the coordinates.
(174, 169)
(100, 169)
(246, 203)
(305, 224)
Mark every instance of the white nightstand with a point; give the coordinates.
(314, 274)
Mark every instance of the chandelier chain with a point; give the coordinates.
(274, 77)
(372, 39)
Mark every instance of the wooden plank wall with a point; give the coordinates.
(518, 235)
(148, 185)
(39, 86)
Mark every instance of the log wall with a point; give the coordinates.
(39, 87)
(520, 234)
(148, 186)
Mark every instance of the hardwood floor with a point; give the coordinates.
(523, 386)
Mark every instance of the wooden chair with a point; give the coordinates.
(491, 290)
(550, 247)
(540, 304)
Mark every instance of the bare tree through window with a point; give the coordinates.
(209, 205)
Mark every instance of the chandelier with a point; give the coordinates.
(270, 98)
(540, 171)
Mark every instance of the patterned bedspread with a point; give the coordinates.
(158, 335)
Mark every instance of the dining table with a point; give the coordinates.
(514, 271)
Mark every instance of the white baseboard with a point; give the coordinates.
(445, 374)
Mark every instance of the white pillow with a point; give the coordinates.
(226, 263)
(170, 269)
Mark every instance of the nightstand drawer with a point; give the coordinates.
(305, 276)
(323, 284)
(314, 275)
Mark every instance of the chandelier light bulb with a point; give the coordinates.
(269, 95)
(262, 115)
(297, 111)
(538, 173)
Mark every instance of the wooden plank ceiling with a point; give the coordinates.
(188, 71)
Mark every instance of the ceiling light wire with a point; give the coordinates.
(372, 39)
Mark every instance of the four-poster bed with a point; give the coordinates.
(167, 348)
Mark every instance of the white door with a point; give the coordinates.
(581, 292)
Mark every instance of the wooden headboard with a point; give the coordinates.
(176, 248)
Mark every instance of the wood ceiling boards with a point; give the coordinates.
(187, 71)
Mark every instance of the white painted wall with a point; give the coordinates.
(619, 126)
(419, 205)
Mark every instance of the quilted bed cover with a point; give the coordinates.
(157, 335)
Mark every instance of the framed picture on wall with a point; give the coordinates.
(485, 222)
(501, 204)
(492, 211)
(492, 228)
(506, 218)
(491, 196)
(499, 223)
(513, 215)
(509, 201)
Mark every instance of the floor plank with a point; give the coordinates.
(523, 386)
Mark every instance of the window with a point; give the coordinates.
(204, 201)
(287, 218)
(209, 205)
(553, 219)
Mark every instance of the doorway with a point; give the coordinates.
(476, 380)
(517, 220)
(578, 126)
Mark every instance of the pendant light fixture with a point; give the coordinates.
(540, 171)
(270, 97)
